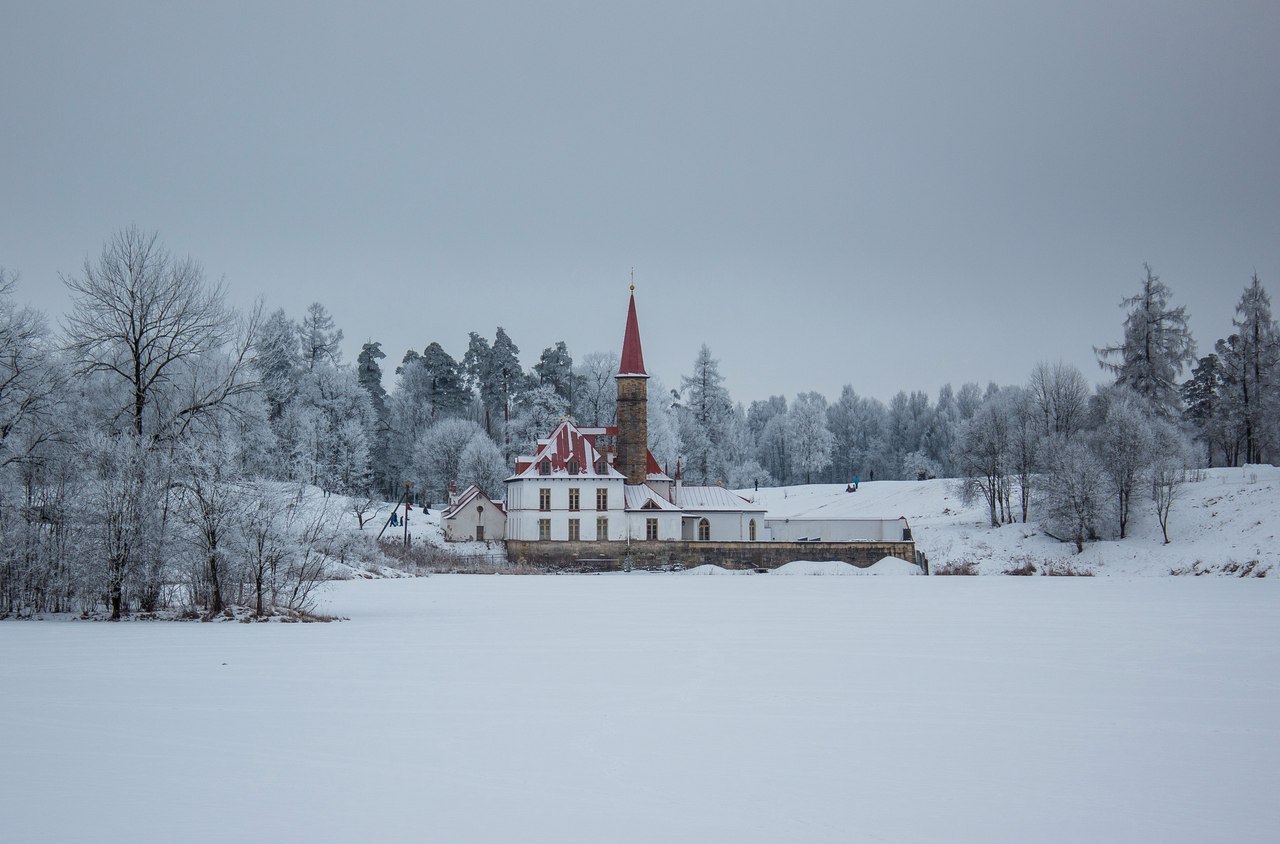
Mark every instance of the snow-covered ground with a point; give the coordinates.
(643, 708)
(1220, 525)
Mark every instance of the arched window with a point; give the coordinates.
(704, 530)
(751, 530)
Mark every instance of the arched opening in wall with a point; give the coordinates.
(751, 530)
(704, 530)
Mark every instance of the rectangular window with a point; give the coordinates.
(574, 499)
(544, 529)
(575, 530)
(602, 528)
(544, 499)
(602, 498)
(651, 529)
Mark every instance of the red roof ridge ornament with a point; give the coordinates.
(632, 355)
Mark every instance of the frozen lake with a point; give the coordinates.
(647, 708)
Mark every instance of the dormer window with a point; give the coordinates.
(573, 467)
(602, 468)
(544, 467)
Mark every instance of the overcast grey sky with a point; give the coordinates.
(890, 195)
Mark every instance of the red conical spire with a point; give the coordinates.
(632, 355)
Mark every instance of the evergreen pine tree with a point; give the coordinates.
(1157, 345)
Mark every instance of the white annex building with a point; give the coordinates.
(603, 484)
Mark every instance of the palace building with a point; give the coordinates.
(604, 485)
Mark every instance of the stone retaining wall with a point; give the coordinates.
(668, 556)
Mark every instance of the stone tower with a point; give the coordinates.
(633, 404)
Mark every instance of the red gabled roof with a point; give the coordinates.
(565, 444)
(632, 354)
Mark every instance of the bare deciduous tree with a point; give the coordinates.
(146, 318)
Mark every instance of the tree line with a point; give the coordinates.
(156, 446)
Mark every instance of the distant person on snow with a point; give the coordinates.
(395, 520)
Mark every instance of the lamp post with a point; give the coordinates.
(408, 485)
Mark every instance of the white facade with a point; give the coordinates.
(564, 491)
(541, 508)
(715, 514)
(473, 516)
(839, 530)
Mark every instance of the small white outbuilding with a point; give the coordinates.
(472, 516)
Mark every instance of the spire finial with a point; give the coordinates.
(633, 279)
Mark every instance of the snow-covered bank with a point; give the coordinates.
(1221, 524)
(640, 708)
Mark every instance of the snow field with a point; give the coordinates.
(1219, 525)
(641, 708)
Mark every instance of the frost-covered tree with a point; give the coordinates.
(31, 379)
(1072, 495)
(1258, 371)
(1060, 395)
(319, 339)
(595, 390)
(773, 448)
(328, 431)
(968, 400)
(555, 369)
(708, 408)
(1124, 447)
(438, 455)
(1157, 345)
(812, 441)
(495, 373)
(369, 374)
(145, 320)
(664, 426)
(982, 458)
(482, 463)
(858, 424)
(537, 414)
(277, 361)
(1172, 458)
(1025, 435)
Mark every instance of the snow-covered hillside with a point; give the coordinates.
(1225, 523)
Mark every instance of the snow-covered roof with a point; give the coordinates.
(714, 498)
(640, 497)
(570, 443)
(469, 495)
(566, 445)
